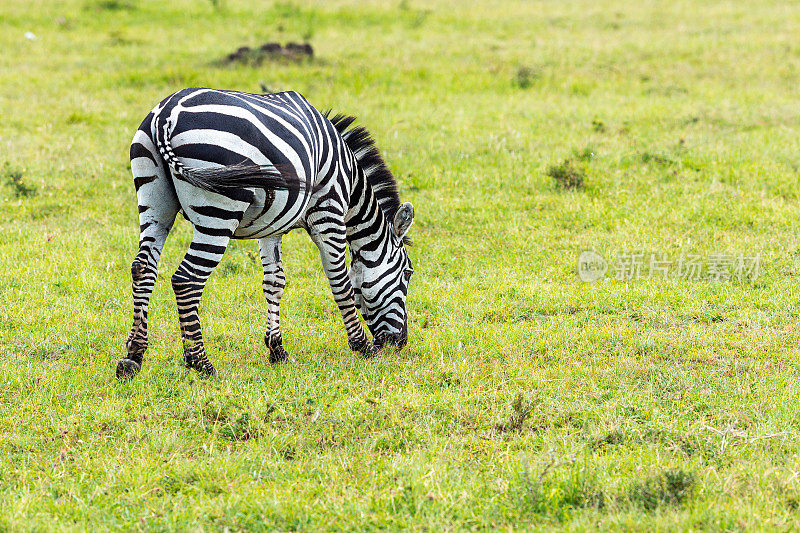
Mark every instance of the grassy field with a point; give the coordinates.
(526, 398)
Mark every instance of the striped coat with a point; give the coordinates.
(247, 166)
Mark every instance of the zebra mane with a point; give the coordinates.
(369, 158)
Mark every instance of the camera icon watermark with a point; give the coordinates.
(591, 266)
(628, 266)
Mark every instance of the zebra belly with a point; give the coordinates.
(271, 213)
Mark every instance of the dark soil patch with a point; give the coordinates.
(293, 52)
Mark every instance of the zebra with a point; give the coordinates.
(249, 166)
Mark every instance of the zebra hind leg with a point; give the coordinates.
(188, 282)
(144, 271)
(158, 206)
(274, 283)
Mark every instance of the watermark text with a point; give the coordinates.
(629, 266)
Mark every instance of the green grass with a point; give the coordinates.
(526, 399)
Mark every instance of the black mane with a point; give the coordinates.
(369, 158)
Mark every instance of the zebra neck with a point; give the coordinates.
(367, 228)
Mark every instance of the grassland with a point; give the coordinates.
(526, 399)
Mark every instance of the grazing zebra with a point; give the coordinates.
(248, 166)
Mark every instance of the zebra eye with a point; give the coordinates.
(407, 274)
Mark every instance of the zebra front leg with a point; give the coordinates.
(274, 283)
(188, 282)
(332, 245)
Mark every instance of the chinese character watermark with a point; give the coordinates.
(628, 266)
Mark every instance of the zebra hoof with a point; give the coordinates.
(127, 368)
(370, 354)
(277, 355)
(369, 351)
(193, 362)
(363, 346)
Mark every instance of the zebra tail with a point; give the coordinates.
(240, 176)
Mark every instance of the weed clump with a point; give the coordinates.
(398, 441)
(14, 179)
(232, 421)
(568, 175)
(613, 438)
(520, 411)
(448, 379)
(77, 117)
(525, 77)
(671, 487)
(238, 428)
(657, 158)
(557, 498)
(585, 155)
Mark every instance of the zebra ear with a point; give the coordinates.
(403, 219)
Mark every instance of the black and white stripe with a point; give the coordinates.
(247, 166)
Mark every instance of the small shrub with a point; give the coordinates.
(598, 125)
(13, 177)
(567, 175)
(112, 5)
(525, 77)
(671, 487)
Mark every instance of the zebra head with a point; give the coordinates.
(380, 283)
